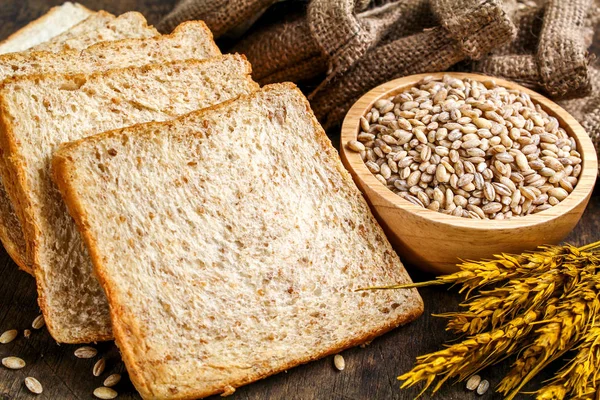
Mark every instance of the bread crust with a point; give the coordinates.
(11, 247)
(10, 167)
(15, 36)
(15, 252)
(99, 14)
(81, 35)
(64, 174)
(99, 47)
(179, 30)
(16, 185)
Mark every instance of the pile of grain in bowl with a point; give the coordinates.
(470, 149)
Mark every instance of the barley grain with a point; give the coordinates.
(105, 393)
(482, 144)
(38, 322)
(33, 385)
(559, 193)
(86, 352)
(473, 382)
(99, 367)
(339, 362)
(13, 362)
(356, 146)
(8, 336)
(484, 385)
(112, 380)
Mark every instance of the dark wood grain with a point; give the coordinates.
(370, 371)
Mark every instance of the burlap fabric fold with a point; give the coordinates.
(328, 37)
(221, 16)
(557, 61)
(587, 109)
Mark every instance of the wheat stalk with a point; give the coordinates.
(552, 339)
(543, 306)
(492, 307)
(581, 376)
(465, 358)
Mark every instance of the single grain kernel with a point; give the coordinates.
(339, 362)
(105, 393)
(483, 386)
(112, 380)
(38, 322)
(86, 352)
(13, 362)
(356, 146)
(33, 385)
(473, 382)
(99, 367)
(8, 336)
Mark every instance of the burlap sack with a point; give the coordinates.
(283, 51)
(328, 37)
(559, 66)
(220, 15)
(587, 109)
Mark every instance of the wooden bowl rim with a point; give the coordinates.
(355, 164)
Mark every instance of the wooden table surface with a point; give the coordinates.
(370, 371)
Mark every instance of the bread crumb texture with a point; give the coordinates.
(231, 242)
(45, 111)
(190, 40)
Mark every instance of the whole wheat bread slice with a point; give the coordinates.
(56, 21)
(230, 242)
(100, 27)
(190, 40)
(38, 113)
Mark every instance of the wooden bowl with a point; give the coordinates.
(436, 242)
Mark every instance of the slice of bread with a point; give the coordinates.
(38, 113)
(100, 27)
(230, 242)
(190, 40)
(56, 21)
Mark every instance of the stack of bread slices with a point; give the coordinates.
(160, 197)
